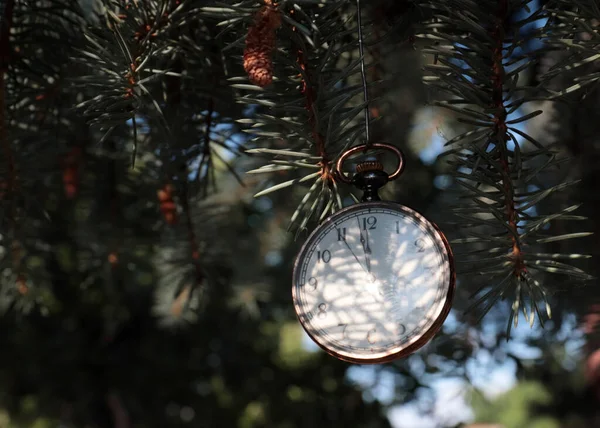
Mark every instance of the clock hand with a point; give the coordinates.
(368, 252)
(355, 256)
(363, 242)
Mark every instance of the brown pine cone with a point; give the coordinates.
(260, 43)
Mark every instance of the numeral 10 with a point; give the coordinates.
(324, 256)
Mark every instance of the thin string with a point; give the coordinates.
(363, 73)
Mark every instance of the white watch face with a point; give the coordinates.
(373, 280)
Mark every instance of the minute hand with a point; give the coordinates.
(365, 245)
(359, 263)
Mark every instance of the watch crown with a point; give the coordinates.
(369, 166)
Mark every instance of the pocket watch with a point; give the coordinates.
(374, 281)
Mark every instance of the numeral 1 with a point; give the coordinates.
(341, 234)
(397, 226)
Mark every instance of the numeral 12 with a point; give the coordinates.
(370, 222)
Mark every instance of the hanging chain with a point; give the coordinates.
(363, 73)
(369, 173)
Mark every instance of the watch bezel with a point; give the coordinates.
(400, 350)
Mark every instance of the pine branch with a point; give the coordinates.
(570, 29)
(141, 70)
(308, 115)
(28, 105)
(8, 179)
(193, 261)
(496, 163)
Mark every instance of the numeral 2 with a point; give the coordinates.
(420, 244)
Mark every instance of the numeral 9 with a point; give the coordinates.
(312, 283)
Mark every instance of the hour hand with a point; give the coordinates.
(368, 252)
(368, 259)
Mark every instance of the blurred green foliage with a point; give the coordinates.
(515, 408)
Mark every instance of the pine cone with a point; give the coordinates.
(260, 43)
(21, 285)
(168, 207)
(71, 172)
